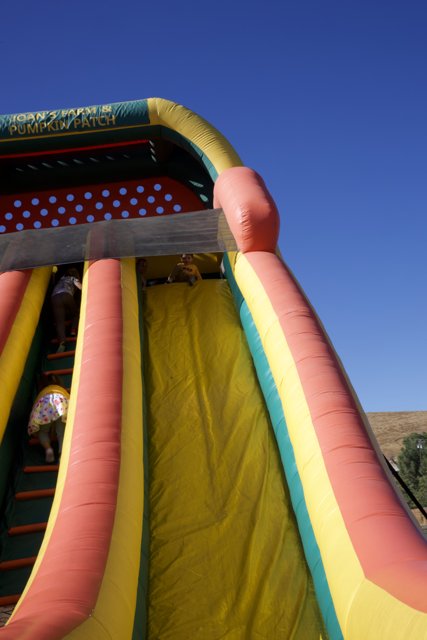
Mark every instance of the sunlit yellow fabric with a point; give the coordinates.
(364, 610)
(225, 558)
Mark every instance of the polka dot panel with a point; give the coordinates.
(96, 203)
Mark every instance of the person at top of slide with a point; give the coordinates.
(185, 271)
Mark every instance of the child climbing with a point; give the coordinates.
(64, 305)
(49, 415)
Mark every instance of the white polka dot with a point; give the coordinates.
(54, 222)
(72, 220)
(2, 228)
(151, 199)
(157, 187)
(17, 203)
(107, 216)
(168, 197)
(35, 201)
(88, 195)
(19, 226)
(90, 218)
(105, 193)
(9, 216)
(99, 205)
(123, 191)
(70, 197)
(140, 188)
(79, 207)
(133, 201)
(37, 224)
(26, 214)
(142, 212)
(125, 214)
(52, 199)
(43, 212)
(61, 209)
(159, 210)
(177, 207)
(116, 203)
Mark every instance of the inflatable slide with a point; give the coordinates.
(219, 478)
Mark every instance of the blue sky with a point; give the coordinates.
(327, 100)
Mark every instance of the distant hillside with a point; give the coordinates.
(391, 428)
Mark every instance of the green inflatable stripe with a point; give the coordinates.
(54, 122)
(275, 409)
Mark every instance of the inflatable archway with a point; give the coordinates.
(219, 478)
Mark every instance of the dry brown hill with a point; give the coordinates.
(391, 428)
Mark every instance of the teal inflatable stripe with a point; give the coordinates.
(275, 409)
(119, 121)
(52, 122)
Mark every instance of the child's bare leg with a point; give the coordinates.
(44, 439)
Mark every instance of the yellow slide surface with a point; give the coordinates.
(225, 556)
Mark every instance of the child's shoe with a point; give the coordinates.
(50, 456)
